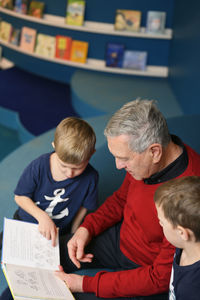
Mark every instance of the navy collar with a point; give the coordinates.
(173, 170)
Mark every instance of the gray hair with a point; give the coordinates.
(142, 121)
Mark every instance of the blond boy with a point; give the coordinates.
(178, 207)
(57, 189)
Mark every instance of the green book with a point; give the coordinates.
(75, 12)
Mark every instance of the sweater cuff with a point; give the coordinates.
(89, 284)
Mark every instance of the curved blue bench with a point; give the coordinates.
(96, 93)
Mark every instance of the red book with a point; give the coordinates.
(63, 47)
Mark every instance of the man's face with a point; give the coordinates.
(139, 165)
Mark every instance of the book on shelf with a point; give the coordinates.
(15, 36)
(5, 31)
(45, 45)
(135, 60)
(114, 55)
(29, 262)
(6, 4)
(155, 22)
(79, 51)
(129, 20)
(63, 47)
(28, 38)
(75, 12)
(21, 6)
(36, 9)
(0, 54)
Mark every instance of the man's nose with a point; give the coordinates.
(119, 164)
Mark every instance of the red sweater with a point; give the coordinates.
(141, 239)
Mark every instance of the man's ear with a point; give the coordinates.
(53, 145)
(156, 152)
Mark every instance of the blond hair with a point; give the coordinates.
(180, 201)
(74, 140)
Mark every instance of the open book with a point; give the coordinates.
(29, 261)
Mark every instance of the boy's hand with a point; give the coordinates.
(76, 247)
(73, 281)
(48, 228)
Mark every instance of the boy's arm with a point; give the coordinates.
(46, 226)
(78, 218)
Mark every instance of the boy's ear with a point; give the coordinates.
(53, 145)
(185, 233)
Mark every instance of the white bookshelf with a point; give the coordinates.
(6, 64)
(94, 27)
(94, 64)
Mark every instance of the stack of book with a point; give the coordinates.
(130, 20)
(118, 57)
(75, 9)
(59, 47)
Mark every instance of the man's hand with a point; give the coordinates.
(48, 228)
(73, 281)
(76, 247)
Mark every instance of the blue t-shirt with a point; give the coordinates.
(60, 199)
(185, 280)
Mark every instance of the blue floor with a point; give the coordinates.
(9, 141)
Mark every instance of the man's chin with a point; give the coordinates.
(134, 176)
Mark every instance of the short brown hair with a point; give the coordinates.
(180, 201)
(74, 140)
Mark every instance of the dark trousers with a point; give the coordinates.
(107, 255)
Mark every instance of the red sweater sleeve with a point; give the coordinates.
(145, 280)
(110, 212)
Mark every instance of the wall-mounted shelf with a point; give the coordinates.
(95, 64)
(94, 27)
(6, 64)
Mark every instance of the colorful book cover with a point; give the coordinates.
(6, 4)
(21, 6)
(36, 9)
(63, 47)
(75, 12)
(79, 51)
(5, 31)
(45, 45)
(136, 60)
(15, 36)
(0, 53)
(114, 55)
(156, 22)
(127, 20)
(28, 38)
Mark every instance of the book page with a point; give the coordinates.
(36, 283)
(24, 245)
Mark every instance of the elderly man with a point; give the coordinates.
(124, 233)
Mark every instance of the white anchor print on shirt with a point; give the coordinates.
(54, 201)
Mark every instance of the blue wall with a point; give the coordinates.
(99, 11)
(185, 55)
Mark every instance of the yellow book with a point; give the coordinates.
(5, 31)
(45, 45)
(79, 51)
